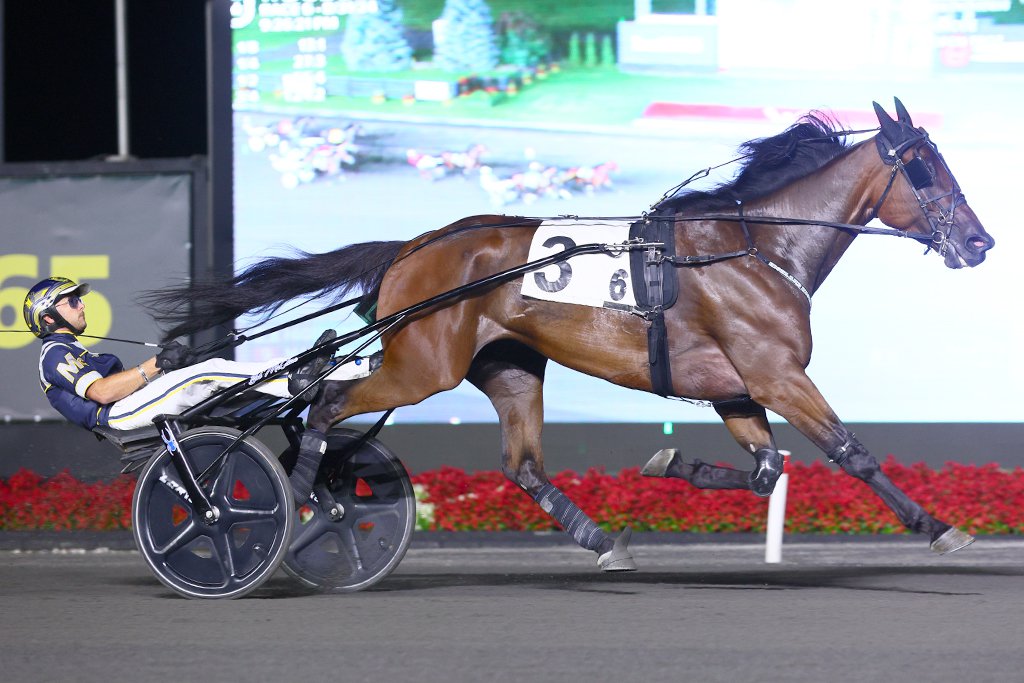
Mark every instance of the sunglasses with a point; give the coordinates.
(75, 302)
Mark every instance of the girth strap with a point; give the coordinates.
(655, 292)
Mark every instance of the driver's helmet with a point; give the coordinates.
(42, 300)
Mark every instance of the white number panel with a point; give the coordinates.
(599, 280)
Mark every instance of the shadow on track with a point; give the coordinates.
(848, 579)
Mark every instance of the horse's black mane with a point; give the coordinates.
(770, 164)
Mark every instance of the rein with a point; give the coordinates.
(235, 339)
(891, 154)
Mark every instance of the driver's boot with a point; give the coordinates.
(311, 451)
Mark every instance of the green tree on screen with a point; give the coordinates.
(468, 41)
(376, 42)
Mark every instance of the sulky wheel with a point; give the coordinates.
(368, 535)
(238, 552)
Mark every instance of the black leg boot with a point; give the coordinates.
(311, 451)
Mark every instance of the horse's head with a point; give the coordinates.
(922, 196)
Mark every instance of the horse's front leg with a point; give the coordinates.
(748, 424)
(791, 394)
(512, 376)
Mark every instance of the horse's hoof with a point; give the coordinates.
(767, 472)
(951, 541)
(618, 559)
(659, 464)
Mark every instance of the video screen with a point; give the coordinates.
(362, 120)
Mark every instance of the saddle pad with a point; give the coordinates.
(599, 280)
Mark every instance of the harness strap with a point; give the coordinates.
(885, 193)
(658, 293)
(753, 251)
(657, 333)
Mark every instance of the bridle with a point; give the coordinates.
(919, 176)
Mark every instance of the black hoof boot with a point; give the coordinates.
(312, 447)
(766, 472)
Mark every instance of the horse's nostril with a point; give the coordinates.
(978, 244)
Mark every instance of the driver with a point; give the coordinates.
(95, 390)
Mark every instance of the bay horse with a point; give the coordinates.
(738, 337)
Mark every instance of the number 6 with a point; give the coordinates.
(618, 284)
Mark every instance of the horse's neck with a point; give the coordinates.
(839, 192)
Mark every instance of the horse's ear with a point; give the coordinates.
(902, 115)
(890, 128)
(881, 113)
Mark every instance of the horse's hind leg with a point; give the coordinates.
(749, 426)
(668, 462)
(410, 372)
(512, 376)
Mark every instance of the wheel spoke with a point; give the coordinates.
(222, 478)
(186, 536)
(222, 546)
(237, 514)
(308, 533)
(349, 534)
(370, 505)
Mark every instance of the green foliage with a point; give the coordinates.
(522, 41)
(375, 42)
(590, 51)
(574, 58)
(673, 6)
(607, 51)
(469, 43)
(551, 15)
(1014, 15)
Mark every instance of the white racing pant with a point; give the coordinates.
(179, 390)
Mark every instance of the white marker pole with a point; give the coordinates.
(777, 515)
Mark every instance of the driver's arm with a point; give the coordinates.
(114, 387)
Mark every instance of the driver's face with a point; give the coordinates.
(73, 309)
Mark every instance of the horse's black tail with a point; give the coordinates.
(265, 286)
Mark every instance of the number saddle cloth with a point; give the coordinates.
(641, 281)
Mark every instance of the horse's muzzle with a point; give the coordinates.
(970, 252)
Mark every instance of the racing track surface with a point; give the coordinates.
(875, 610)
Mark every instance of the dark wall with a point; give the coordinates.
(59, 79)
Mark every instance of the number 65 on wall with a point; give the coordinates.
(78, 268)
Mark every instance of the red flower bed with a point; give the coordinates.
(27, 501)
(821, 499)
(980, 499)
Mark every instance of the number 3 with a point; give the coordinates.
(564, 269)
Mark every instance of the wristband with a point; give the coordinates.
(143, 373)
